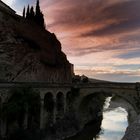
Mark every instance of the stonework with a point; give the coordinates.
(79, 104)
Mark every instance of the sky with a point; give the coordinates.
(100, 37)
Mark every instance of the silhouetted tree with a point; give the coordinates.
(24, 12)
(32, 13)
(38, 11)
(28, 12)
(36, 15)
(39, 16)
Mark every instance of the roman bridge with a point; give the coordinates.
(56, 100)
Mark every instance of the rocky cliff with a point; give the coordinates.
(29, 53)
(133, 130)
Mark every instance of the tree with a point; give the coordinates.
(84, 79)
(32, 13)
(28, 12)
(39, 16)
(38, 11)
(24, 12)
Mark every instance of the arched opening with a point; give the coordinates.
(49, 102)
(49, 107)
(60, 105)
(117, 113)
(115, 118)
(33, 114)
(121, 101)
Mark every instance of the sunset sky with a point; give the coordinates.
(100, 37)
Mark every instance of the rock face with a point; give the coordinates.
(29, 53)
(133, 131)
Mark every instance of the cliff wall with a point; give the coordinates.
(29, 53)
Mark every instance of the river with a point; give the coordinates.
(113, 125)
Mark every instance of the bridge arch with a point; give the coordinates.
(93, 102)
(120, 101)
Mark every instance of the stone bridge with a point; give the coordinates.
(66, 98)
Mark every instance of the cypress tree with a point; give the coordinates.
(38, 8)
(28, 12)
(36, 15)
(39, 17)
(32, 13)
(23, 12)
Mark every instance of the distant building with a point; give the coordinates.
(5, 8)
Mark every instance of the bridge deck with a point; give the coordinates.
(68, 85)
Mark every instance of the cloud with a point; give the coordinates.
(124, 17)
(129, 51)
(103, 17)
(129, 55)
(94, 25)
(96, 32)
(128, 66)
(115, 28)
(111, 73)
(99, 36)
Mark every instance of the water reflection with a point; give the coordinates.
(114, 124)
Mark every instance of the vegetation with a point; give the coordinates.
(80, 79)
(36, 16)
(85, 79)
(24, 12)
(28, 12)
